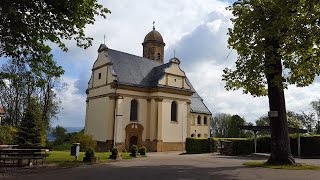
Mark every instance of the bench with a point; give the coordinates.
(18, 156)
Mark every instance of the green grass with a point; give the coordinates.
(288, 167)
(64, 159)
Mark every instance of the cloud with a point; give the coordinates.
(73, 103)
(197, 30)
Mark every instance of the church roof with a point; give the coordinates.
(197, 105)
(142, 72)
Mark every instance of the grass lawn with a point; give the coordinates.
(64, 159)
(293, 167)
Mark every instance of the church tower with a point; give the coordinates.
(153, 46)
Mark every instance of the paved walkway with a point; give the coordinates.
(171, 166)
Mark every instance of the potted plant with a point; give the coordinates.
(89, 156)
(114, 153)
(134, 150)
(142, 150)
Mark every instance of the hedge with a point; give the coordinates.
(196, 146)
(241, 146)
(310, 145)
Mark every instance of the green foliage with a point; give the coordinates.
(234, 126)
(89, 152)
(288, 29)
(264, 144)
(310, 145)
(220, 124)
(59, 132)
(114, 151)
(316, 107)
(56, 21)
(196, 146)
(29, 130)
(85, 141)
(225, 125)
(134, 150)
(66, 146)
(142, 150)
(241, 146)
(288, 167)
(7, 134)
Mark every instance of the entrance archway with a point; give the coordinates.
(133, 141)
(133, 135)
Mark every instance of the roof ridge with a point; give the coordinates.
(135, 56)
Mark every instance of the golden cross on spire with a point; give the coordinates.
(153, 25)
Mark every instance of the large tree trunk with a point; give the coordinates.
(280, 144)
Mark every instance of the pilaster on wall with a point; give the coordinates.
(159, 118)
(148, 119)
(189, 116)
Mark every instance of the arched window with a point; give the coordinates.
(134, 110)
(174, 111)
(192, 135)
(205, 121)
(199, 135)
(199, 120)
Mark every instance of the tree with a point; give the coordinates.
(308, 121)
(21, 84)
(234, 126)
(220, 124)
(60, 134)
(263, 121)
(316, 107)
(29, 130)
(277, 42)
(28, 26)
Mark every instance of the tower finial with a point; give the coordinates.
(153, 25)
(104, 39)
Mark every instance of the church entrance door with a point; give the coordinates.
(133, 141)
(133, 135)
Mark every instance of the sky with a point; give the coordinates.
(196, 30)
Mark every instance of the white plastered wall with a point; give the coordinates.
(196, 128)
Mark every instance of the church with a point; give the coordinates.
(143, 101)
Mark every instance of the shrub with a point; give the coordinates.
(114, 151)
(89, 153)
(7, 134)
(242, 146)
(195, 146)
(142, 150)
(134, 150)
(85, 141)
(89, 156)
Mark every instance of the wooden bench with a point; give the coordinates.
(18, 156)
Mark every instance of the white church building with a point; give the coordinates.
(133, 100)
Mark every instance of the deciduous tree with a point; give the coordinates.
(277, 42)
(27, 27)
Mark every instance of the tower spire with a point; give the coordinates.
(153, 25)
